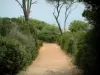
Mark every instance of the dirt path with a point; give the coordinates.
(51, 61)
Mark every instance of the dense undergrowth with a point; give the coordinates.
(77, 42)
(81, 43)
(19, 44)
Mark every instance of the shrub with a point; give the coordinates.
(5, 26)
(48, 33)
(68, 42)
(11, 56)
(19, 44)
(17, 48)
(14, 56)
(87, 57)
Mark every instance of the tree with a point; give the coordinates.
(26, 6)
(78, 26)
(58, 5)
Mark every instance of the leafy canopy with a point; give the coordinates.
(78, 26)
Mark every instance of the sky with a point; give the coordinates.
(40, 11)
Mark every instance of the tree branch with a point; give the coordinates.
(33, 2)
(57, 8)
(57, 23)
(19, 4)
(56, 17)
(67, 14)
(60, 8)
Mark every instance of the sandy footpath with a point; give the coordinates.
(51, 61)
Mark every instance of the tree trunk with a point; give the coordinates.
(58, 23)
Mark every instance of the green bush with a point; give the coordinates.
(18, 48)
(64, 40)
(14, 56)
(48, 33)
(81, 42)
(19, 44)
(5, 26)
(77, 25)
(87, 57)
(68, 41)
(11, 56)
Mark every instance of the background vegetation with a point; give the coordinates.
(82, 41)
(20, 40)
(18, 48)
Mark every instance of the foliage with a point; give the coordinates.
(49, 33)
(18, 48)
(45, 32)
(78, 26)
(11, 56)
(88, 56)
(5, 26)
(70, 39)
(14, 55)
